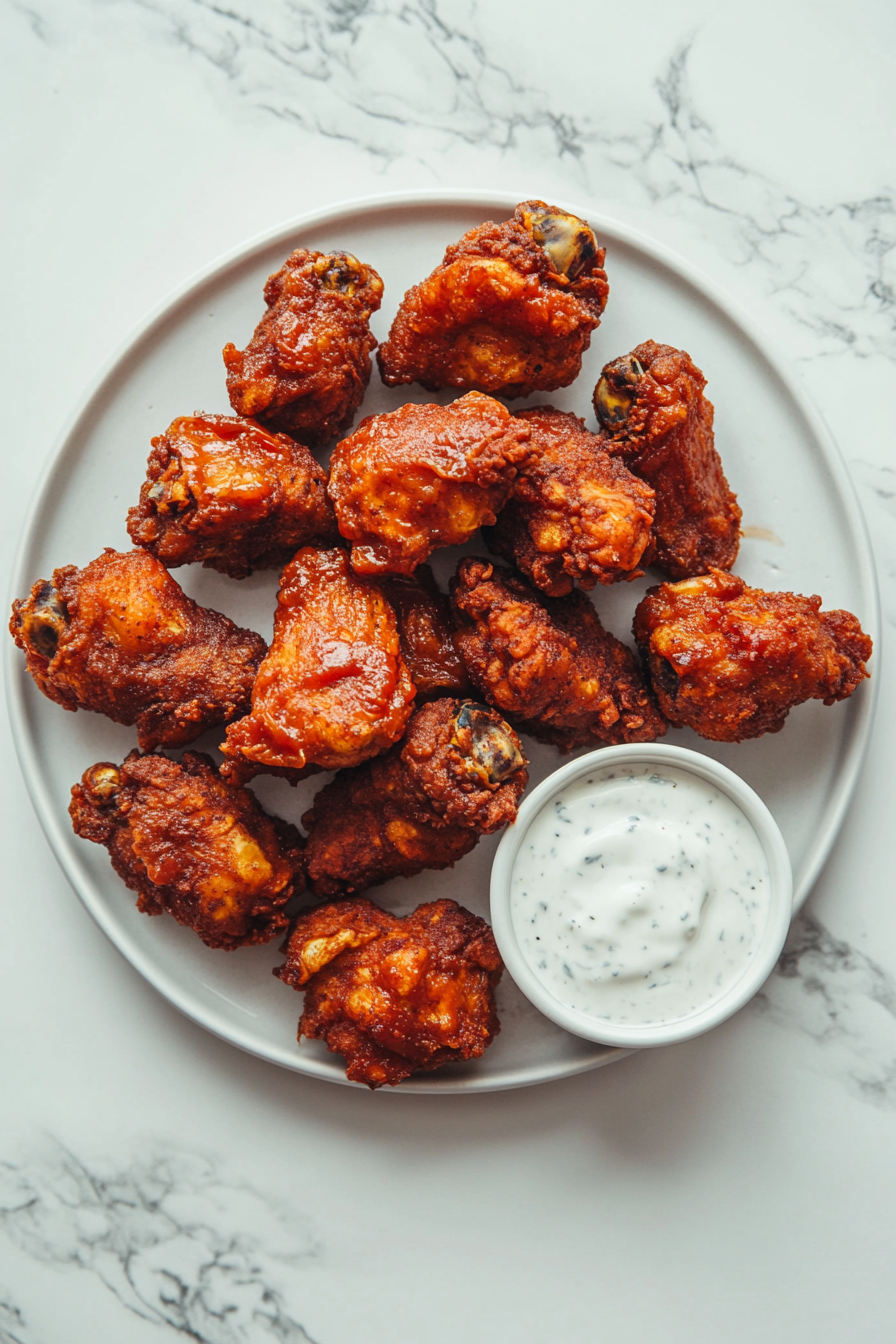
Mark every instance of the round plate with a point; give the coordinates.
(804, 532)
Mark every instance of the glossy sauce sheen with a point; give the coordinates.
(639, 895)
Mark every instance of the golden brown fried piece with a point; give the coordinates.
(307, 366)
(395, 995)
(334, 688)
(510, 310)
(459, 773)
(426, 632)
(548, 663)
(122, 638)
(575, 514)
(192, 845)
(731, 661)
(421, 477)
(656, 417)
(368, 825)
(226, 492)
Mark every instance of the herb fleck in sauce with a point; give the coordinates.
(639, 895)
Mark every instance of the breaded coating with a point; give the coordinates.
(548, 663)
(121, 637)
(306, 368)
(731, 661)
(656, 417)
(423, 476)
(368, 825)
(334, 688)
(395, 995)
(224, 491)
(191, 845)
(575, 514)
(510, 310)
(426, 632)
(459, 773)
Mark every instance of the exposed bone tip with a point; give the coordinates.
(491, 748)
(340, 270)
(44, 623)
(568, 241)
(102, 782)
(616, 391)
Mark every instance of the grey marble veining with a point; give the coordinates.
(38, 25)
(419, 79)
(13, 1324)
(178, 1245)
(174, 1240)
(843, 1000)
(406, 78)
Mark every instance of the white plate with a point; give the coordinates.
(778, 455)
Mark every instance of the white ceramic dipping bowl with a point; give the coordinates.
(770, 938)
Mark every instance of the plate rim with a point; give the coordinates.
(853, 755)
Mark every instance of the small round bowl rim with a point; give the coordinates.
(757, 969)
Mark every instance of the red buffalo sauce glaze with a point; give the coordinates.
(224, 491)
(334, 688)
(409, 481)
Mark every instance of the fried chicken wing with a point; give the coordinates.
(122, 638)
(510, 310)
(458, 773)
(334, 688)
(656, 417)
(548, 663)
(306, 368)
(575, 514)
(426, 632)
(224, 491)
(192, 845)
(423, 476)
(395, 995)
(731, 661)
(368, 826)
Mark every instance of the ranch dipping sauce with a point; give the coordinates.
(639, 894)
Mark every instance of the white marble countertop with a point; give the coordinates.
(154, 1181)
